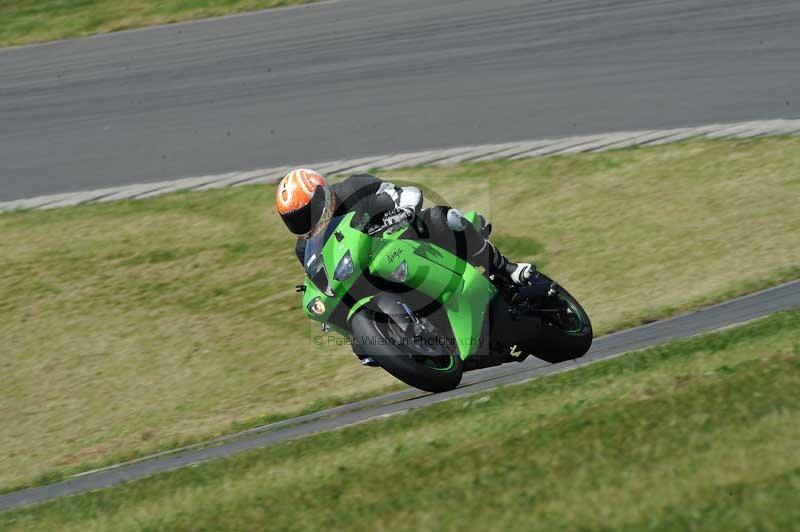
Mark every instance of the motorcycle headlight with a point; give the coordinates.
(316, 306)
(401, 273)
(345, 268)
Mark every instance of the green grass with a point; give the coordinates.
(137, 326)
(31, 21)
(700, 434)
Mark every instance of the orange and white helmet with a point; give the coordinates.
(305, 201)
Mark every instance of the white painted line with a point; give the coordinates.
(272, 175)
(429, 158)
(338, 167)
(606, 142)
(514, 150)
(682, 134)
(728, 131)
(392, 160)
(441, 155)
(635, 140)
(14, 205)
(406, 161)
(654, 136)
(134, 191)
(181, 184)
(34, 203)
(755, 129)
(78, 198)
(233, 178)
(598, 144)
(448, 154)
(785, 127)
(476, 151)
(361, 165)
(554, 148)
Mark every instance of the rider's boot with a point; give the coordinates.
(497, 264)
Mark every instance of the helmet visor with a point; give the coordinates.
(308, 219)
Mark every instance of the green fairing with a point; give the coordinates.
(463, 290)
(358, 305)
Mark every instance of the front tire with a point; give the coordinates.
(562, 340)
(434, 370)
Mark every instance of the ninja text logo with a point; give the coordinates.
(391, 257)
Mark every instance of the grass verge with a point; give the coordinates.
(700, 434)
(31, 21)
(135, 326)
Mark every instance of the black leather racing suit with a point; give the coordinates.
(370, 198)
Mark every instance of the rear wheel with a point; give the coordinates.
(423, 361)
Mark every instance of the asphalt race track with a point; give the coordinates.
(359, 77)
(736, 311)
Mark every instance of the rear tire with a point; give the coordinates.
(375, 338)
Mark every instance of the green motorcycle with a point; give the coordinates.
(424, 314)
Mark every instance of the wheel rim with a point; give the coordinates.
(573, 322)
(427, 350)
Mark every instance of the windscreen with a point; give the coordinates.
(315, 267)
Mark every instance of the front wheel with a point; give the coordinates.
(424, 362)
(564, 335)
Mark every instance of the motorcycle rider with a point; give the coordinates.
(307, 202)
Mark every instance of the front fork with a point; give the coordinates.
(539, 297)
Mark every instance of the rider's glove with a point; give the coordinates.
(398, 216)
(391, 221)
(409, 212)
(407, 199)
